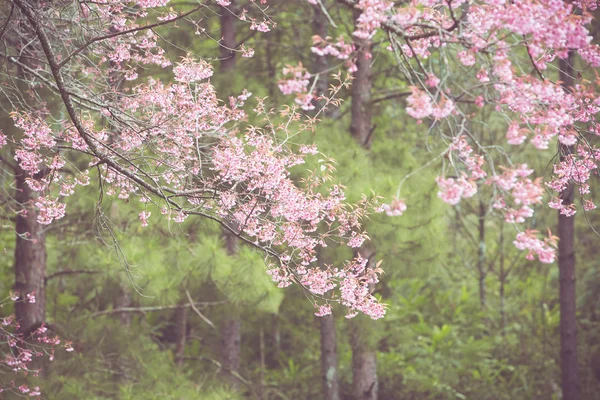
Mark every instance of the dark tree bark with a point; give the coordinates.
(364, 363)
(180, 334)
(320, 64)
(230, 348)
(502, 277)
(30, 246)
(566, 266)
(363, 342)
(263, 366)
(364, 366)
(228, 43)
(231, 333)
(30, 260)
(123, 300)
(360, 124)
(329, 359)
(276, 332)
(329, 356)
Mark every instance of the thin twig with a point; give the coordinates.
(208, 321)
(155, 308)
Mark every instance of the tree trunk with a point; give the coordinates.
(263, 367)
(364, 363)
(481, 254)
(360, 125)
(329, 359)
(230, 348)
(30, 260)
(364, 367)
(321, 29)
(566, 266)
(276, 337)
(180, 334)
(231, 335)
(502, 277)
(228, 43)
(123, 300)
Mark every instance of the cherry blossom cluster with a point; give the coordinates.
(482, 38)
(523, 192)
(485, 42)
(373, 13)
(355, 279)
(257, 194)
(326, 47)
(516, 196)
(37, 149)
(395, 208)
(295, 81)
(422, 105)
(578, 170)
(17, 352)
(180, 150)
(543, 249)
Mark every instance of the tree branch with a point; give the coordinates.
(191, 304)
(70, 272)
(155, 308)
(119, 33)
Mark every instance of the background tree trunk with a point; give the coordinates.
(360, 125)
(123, 300)
(364, 366)
(30, 259)
(230, 348)
(364, 363)
(180, 334)
(566, 266)
(228, 43)
(481, 267)
(329, 359)
(231, 332)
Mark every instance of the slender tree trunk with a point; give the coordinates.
(502, 283)
(363, 341)
(228, 43)
(261, 383)
(329, 359)
(481, 255)
(181, 315)
(364, 366)
(364, 363)
(230, 348)
(276, 337)
(231, 333)
(566, 266)
(30, 246)
(30, 260)
(123, 300)
(360, 124)
(320, 64)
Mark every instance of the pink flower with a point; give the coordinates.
(420, 105)
(544, 249)
(49, 210)
(395, 208)
(514, 134)
(144, 215)
(324, 310)
(432, 80)
(189, 70)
